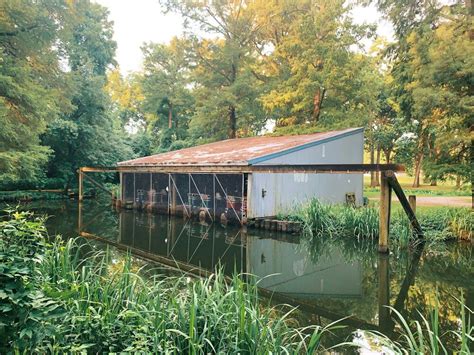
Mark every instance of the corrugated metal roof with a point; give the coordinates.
(239, 151)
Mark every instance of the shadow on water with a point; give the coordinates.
(326, 279)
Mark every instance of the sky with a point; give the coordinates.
(139, 21)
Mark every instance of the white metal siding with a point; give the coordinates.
(285, 191)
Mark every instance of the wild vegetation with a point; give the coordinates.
(239, 68)
(322, 221)
(65, 296)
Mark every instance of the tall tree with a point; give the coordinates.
(319, 77)
(165, 83)
(31, 84)
(225, 88)
(88, 135)
(433, 85)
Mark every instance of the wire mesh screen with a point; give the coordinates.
(159, 192)
(213, 196)
(142, 188)
(127, 183)
(201, 193)
(229, 198)
(179, 196)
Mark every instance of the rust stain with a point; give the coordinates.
(231, 151)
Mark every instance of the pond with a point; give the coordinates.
(327, 279)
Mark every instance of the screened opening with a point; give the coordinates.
(212, 197)
(128, 187)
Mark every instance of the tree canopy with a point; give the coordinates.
(241, 68)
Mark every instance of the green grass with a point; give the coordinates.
(444, 188)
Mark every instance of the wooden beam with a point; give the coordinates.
(395, 185)
(326, 168)
(278, 168)
(385, 206)
(97, 184)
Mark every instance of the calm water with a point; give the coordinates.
(326, 279)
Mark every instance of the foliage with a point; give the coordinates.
(27, 104)
(323, 221)
(167, 98)
(88, 135)
(317, 77)
(422, 336)
(27, 313)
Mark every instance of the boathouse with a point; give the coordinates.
(227, 179)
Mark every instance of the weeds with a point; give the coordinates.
(325, 220)
(422, 336)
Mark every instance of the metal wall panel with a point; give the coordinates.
(278, 193)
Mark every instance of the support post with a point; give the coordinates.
(412, 201)
(81, 185)
(385, 206)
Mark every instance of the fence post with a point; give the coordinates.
(412, 201)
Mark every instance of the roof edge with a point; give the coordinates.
(304, 146)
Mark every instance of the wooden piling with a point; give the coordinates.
(385, 206)
(81, 185)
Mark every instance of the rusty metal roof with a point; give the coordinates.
(239, 151)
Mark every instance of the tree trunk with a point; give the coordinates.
(372, 161)
(377, 173)
(388, 155)
(458, 182)
(232, 122)
(170, 115)
(418, 161)
(434, 182)
(317, 104)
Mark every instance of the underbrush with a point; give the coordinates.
(14, 196)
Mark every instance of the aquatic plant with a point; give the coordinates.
(325, 220)
(421, 336)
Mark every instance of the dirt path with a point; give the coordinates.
(448, 201)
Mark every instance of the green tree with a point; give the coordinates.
(320, 80)
(432, 70)
(31, 84)
(167, 96)
(225, 87)
(90, 134)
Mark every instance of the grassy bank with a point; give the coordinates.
(339, 221)
(67, 297)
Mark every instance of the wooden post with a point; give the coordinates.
(385, 205)
(412, 201)
(79, 218)
(81, 185)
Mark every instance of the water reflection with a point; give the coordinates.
(324, 277)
